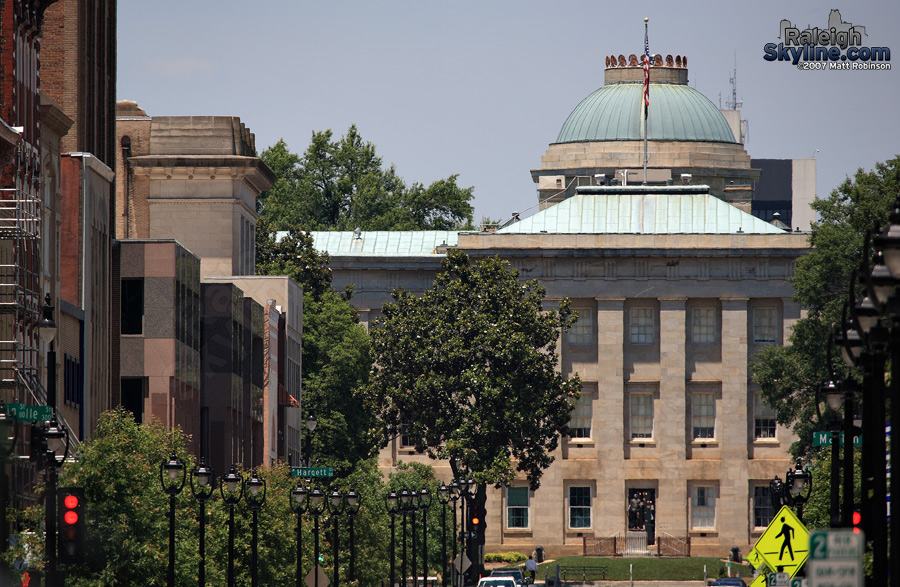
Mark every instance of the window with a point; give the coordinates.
(703, 412)
(580, 424)
(764, 418)
(703, 506)
(582, 331)
(641, 327)
(407, 440)
(579, 507)
(763, 512)
(132, 301)
(764, 326)
(516, 507)
(641, 415)
(703, 325)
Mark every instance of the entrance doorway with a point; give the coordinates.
(641, 507)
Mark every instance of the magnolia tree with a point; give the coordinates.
(468, 371)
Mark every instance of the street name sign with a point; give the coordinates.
(312, 472)
(25, 413)
(824, 439)
(836, 558)
(784, 544)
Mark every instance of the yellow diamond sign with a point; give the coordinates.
(785, 543)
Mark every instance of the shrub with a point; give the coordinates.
(504, 557)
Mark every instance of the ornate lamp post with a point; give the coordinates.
(256, 497)
(834, 397)
(455, 495)
(467, 490)
(393, 508)
(235, 491)
(444, 499)
(799, 487)
(299, 503)
(424, 504)
(316, 507)
(49, 448)
(353, 502)
(336, 507)
(405, 497)
(311, 424)
(171, 477)
(202, 489)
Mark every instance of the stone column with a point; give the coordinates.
(610, 413)
(733, 424)
(669, 418)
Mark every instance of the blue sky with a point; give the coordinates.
(480, 88)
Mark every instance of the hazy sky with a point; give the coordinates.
(480, 88)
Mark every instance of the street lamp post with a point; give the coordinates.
(50, 447)
(353, 502)
(393, 508)
(444, 498)
(405, 497)
(455, 495)
(171, 477)
(834, 397)
(316, 506)
(413, 506)
(467, 489)
(202, 490)
(256, 497)
(311, 424)
(235, 490)
(299, 504)
(424, 504)
(336, 507)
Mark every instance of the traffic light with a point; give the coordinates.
(857, 522)
(477, 519)
(71, 527)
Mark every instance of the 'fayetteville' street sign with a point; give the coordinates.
(25, 413)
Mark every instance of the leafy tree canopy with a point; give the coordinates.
(342, 185)
(335, 354)
(789, 376)
(469, 371)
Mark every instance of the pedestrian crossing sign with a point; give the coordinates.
(784, 545)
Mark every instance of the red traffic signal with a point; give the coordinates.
(857, 521)
(71, 533)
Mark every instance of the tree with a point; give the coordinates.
(469, 372)
(341, 184)
(127, 518)
(335, 353)
(789, 376)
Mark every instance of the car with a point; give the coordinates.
(729, 582)
(516, 574)
(494, 581)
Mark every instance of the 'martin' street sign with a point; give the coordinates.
(312, 472)
(25, 413)
(824, 439)
(784, 545)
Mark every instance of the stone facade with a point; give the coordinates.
(668, 324)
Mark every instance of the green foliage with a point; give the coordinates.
(336, 357)
(292, 255)
(470, 369)
(504, 557)
(788, 376)
(341, 184)
(127, 518)
(644, 568)
(336, 365)
(817, 511)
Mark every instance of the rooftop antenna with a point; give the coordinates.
(734, 104)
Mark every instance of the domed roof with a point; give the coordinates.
(677, 113)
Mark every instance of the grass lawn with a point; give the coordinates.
(645, 569)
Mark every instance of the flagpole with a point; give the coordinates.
(646, 97)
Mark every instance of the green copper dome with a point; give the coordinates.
(677, 113)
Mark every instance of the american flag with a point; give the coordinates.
(646, 70)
